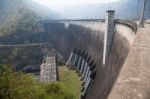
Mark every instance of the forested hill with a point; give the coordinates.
(21, 15)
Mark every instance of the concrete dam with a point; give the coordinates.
(88, 36)
(100, 58)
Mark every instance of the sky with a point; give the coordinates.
(58, 4)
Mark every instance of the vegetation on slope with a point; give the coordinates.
(23, 56)
(71, 80)
(16, 85)
(16, 17)
(25, 22)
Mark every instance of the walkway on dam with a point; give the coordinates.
(134, 79)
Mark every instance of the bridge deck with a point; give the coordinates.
(23, 45)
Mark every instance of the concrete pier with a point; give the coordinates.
(86, 75)
(80, 61)
(72, 55)
(76, 59)
(84, 70)
(82, 66)
(69, 60)
(48, 70)
(86, 67)
(88, 82)
(83, 63)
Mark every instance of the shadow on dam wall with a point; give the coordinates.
(91, 41)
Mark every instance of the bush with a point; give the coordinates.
(16, 85)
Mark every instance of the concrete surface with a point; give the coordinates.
(134, 79)
(107, 75)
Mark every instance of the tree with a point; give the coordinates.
(17, 85)
(5, 72)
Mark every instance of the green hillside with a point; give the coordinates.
(15, 85)
(21, 16)
(19, 24)
(71, 79)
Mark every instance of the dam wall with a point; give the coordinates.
(88, 36)
(133, 81)
(106, 76)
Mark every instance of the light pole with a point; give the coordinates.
(141, 23)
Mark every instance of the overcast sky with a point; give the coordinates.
(58, 4)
